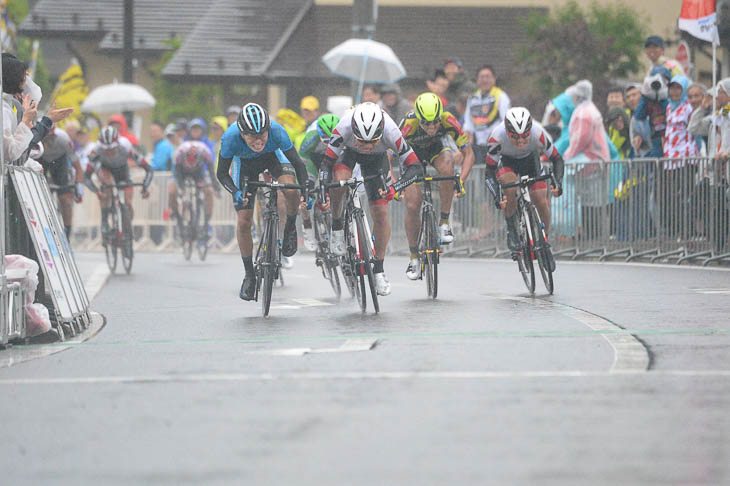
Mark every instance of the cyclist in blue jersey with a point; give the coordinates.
(255, 139)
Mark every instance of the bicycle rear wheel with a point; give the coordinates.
(541, 250)
(127, 239)
(525, 258)
(366, 255)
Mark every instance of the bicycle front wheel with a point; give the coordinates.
(333, 276)
(541, 250)
(525, 258)
(202, 235)
(111, 240)
(127, 239)
(366, 255)
(270, 264)
(187, 230)
(429, 256)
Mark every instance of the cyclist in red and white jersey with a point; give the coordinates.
(514, 149)
(363, 136)
(193, 159)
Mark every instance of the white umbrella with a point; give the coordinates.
(117, 97)
(364, 60)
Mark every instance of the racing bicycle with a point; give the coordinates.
(358, 261)
(118, 237)
(533, 240)
(267, 261)
(429, 238)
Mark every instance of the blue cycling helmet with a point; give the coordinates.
(253, 120)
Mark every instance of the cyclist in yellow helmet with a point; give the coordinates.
(437, 139)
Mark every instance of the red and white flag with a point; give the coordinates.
(698, 17)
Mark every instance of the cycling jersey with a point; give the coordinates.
(58, 147)
(58, 156)
(115, 161)
(426, 146)
(233, 145)
(503, 156)
(312, 151)
(342, 138)
(199, 169)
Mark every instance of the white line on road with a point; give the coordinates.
(349, 346)
(630, 355)
(96, 280)
(353, 375)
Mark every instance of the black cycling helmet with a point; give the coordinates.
(253, 120)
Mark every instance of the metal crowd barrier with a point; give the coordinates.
(651, 210)
(12, 323)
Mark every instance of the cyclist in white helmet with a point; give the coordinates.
(514, 149)
(357, 140)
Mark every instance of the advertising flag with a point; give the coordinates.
(699, 18)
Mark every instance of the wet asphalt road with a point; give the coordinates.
(187, 384)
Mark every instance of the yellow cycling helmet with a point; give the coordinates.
(428, 107)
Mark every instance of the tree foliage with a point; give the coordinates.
(569, 43)
(183, 100)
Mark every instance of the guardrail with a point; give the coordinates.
(652, 210)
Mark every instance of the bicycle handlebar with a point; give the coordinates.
(353, 181)
(399, 185)
(526, 181)
(271, 185)
(122, 185)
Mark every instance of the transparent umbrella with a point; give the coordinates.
(117, 97)
(364, 60)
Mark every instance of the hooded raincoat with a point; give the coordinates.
(678, 141)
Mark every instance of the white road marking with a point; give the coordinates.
(349, 346)
(630, 355)
(311, 302)
(96, 280)
(713, 291)
(353, 375)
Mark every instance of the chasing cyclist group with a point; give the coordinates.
(366, 136)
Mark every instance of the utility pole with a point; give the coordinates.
(364, 18)
(128, 50)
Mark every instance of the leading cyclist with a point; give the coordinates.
(255, 138)
(357, 138)
(514, 149)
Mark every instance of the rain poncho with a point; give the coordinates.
(124, 129)
(678, 141)
(587, 135)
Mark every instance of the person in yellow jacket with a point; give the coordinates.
(218, 126)
(294, 125)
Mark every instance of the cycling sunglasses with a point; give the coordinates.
(523, 136)
(429, 123)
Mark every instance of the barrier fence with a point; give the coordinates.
(649, 210)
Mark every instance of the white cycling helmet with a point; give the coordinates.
(109, 137)
(518, 121)
(368, 122)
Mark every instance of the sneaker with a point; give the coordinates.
(446, 235)
(287, 262)
(413, 271)
(289, 243)
(382, 286)
(309, 242)
(248, 287)
(337, 242)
